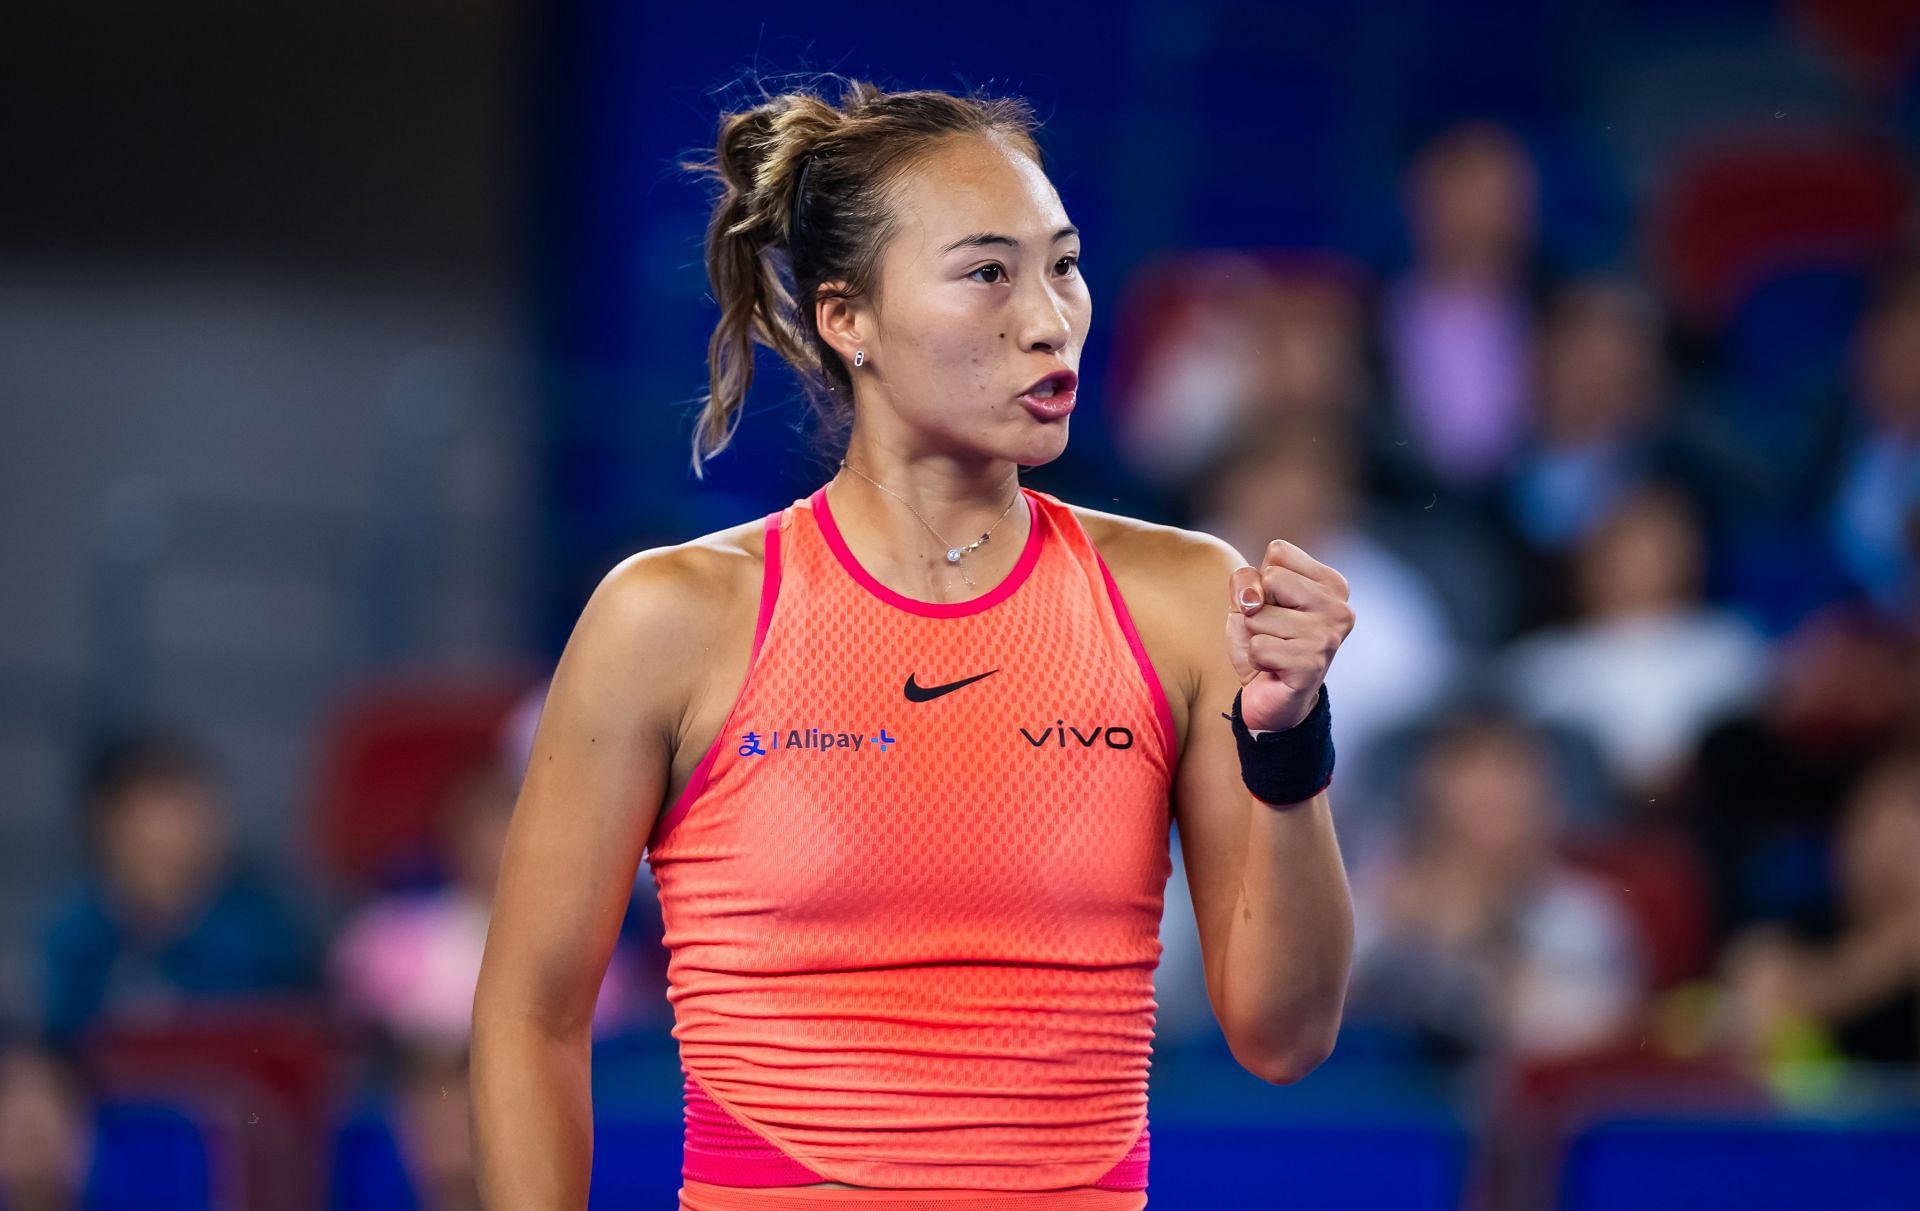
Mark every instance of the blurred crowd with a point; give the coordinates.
(175, 951)
(1629, 726)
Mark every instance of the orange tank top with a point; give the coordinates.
(912, 893)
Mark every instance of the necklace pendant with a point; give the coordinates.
(953, 554)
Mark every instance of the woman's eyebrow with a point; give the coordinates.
(980, 238)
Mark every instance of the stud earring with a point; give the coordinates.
(859, 357)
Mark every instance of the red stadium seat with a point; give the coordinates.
(1662, 882)
(1874, 41)
(1543, 1104)
(386, 757)
(260, 1077)
(1731, 216)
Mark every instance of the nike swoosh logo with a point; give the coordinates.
(927, 693)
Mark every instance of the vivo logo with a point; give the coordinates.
(1115, 737)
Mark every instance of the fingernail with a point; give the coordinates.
(1249, 598)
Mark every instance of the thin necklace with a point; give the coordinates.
(953, 553)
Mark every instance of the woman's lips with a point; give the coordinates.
(1050, 407)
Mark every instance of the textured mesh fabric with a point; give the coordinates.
(912, 942)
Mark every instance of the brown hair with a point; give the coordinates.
(805, 201)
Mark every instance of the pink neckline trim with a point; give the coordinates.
(1029, 556)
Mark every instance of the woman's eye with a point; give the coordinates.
(1072, 262)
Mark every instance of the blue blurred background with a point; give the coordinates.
(344, 348)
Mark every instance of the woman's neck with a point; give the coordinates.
(901, 528)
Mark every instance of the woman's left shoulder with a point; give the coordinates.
(1161, 557)
(1174, 581)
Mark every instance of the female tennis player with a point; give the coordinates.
(904, 755)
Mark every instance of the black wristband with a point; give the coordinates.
(1290, 767)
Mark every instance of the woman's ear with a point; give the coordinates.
(843, 322)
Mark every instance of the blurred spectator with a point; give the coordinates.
(1456, 326)
(1874, 518)
(1472, 933)
(1603, 418)
(167, 912)
(408, 962)
(1765, 785)
(1859, 983)
(432, 1130)
(1299, 480)
(46, 1131)
(1646, 665)
(409, 1147)
(1223, 340)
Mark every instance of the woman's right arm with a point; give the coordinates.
(601, 762)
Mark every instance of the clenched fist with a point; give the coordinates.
(1287, 619)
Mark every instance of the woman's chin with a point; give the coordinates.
(1049, 446)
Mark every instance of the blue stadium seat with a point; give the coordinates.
(148, 1157)
(1755, 1165)
(366, 1171)
(636, 1163)
(1364, 1167)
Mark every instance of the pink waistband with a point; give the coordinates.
(723, 1153)
(701, 1196)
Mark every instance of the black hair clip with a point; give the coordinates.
(799, 199)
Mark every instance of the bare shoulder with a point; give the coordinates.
(693, 577)
(1164, 562)
(664, 611)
